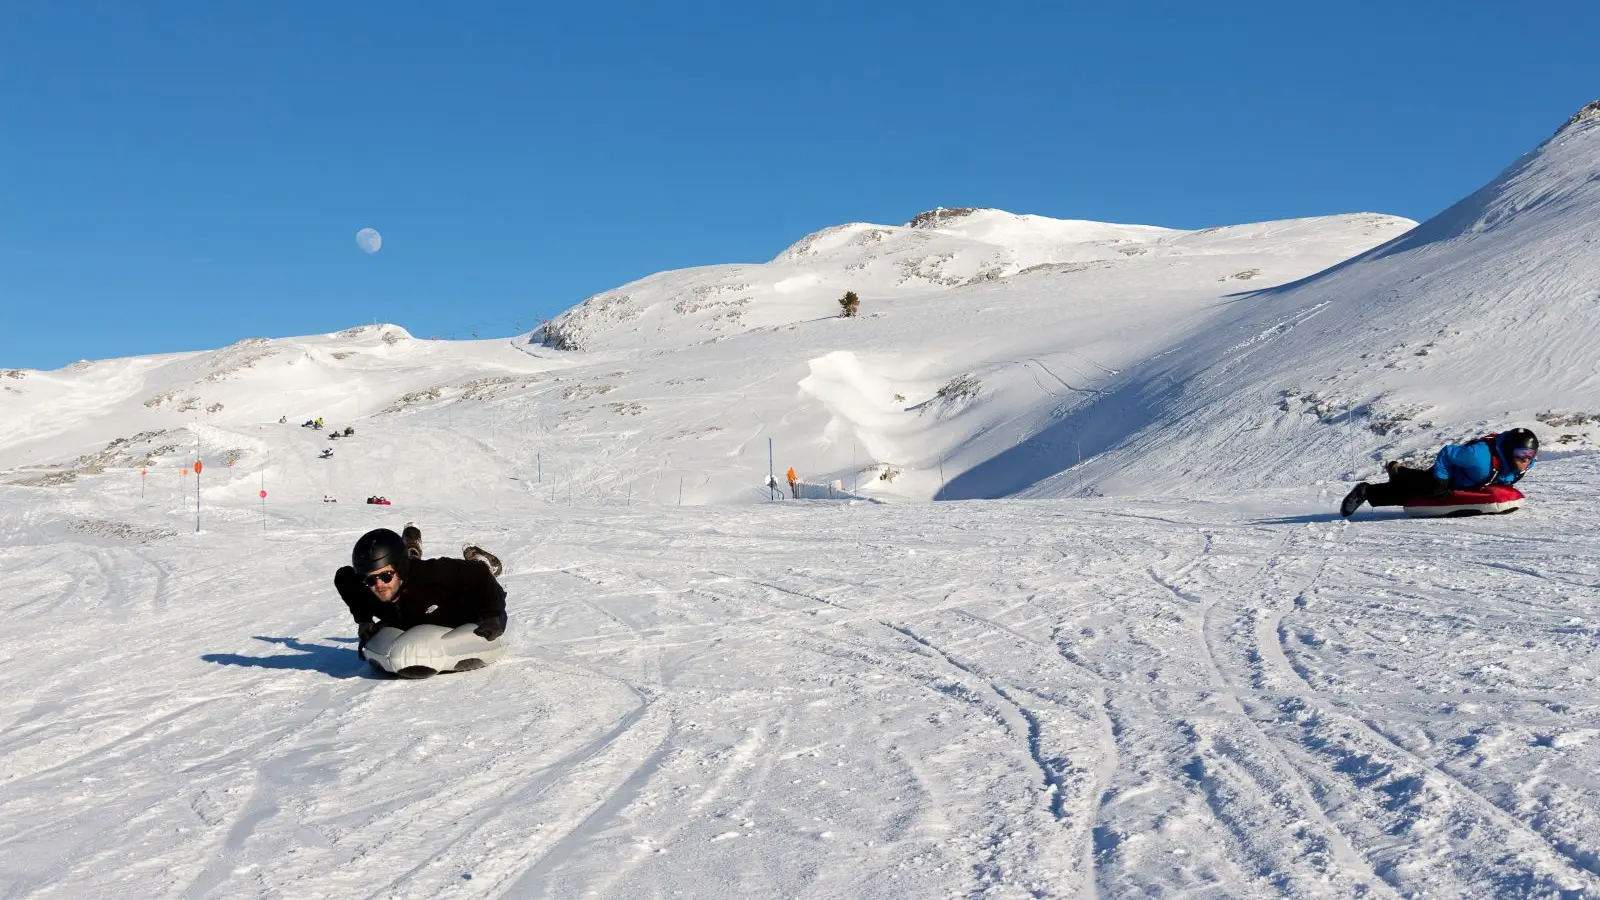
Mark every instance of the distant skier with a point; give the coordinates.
(389, 584)
(1492, 459)
(326, 453)
(794, 484)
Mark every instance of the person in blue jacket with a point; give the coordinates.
(1492, 459)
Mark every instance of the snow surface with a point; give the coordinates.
(1175, 673)
(1003, 698)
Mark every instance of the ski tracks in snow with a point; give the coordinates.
(1034, 699)
(1349, 788)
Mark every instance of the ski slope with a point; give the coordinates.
(1172, 670)
(1007, 698)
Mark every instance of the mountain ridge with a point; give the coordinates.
(996, 355)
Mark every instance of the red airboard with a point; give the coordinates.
(1492, 500)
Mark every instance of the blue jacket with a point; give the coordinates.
(1471, 465)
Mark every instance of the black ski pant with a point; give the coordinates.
(1406, 484)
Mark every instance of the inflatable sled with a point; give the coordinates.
(429, 649)
(1492, 500)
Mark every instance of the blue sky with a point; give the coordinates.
(180, 176)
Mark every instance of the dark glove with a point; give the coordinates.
(1441, 486)
(491, 628)
(364, 633)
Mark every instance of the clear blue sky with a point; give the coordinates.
(181, 175)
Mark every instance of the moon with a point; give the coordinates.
(369, 240)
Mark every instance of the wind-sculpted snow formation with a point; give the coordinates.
(1204, 683)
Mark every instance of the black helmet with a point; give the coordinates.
(1518, 439)
(378, 548)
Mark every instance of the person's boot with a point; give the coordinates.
(1353, 500)
(472, 551)
(412, 535)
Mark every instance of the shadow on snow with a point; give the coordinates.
(336, 661)
(1366, 515)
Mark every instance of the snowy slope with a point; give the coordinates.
(1485, 317)
(998, 699)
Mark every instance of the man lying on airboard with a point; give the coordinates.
(389, 585)
(1495, 459)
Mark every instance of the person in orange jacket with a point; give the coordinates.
(794, 484)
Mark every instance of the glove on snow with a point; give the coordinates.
(364, 633)
(491, 628)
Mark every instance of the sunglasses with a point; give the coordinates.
(1524, 454)
(385, 577)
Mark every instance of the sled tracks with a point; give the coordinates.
(1314, 786)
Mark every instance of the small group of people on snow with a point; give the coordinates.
(317, 425)
(1494, 459)
(389, 584)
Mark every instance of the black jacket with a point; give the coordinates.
(443, 591)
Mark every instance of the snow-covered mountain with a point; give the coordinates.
(1225, 691)
(996, 354)
(978, 329)
(937, 253)
(1485, 317)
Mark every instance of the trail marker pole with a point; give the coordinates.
(263, 510)
(941, 474)
(538, 467)
(772, 474)
(141, 484)
(197, 468)
(680, 490)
